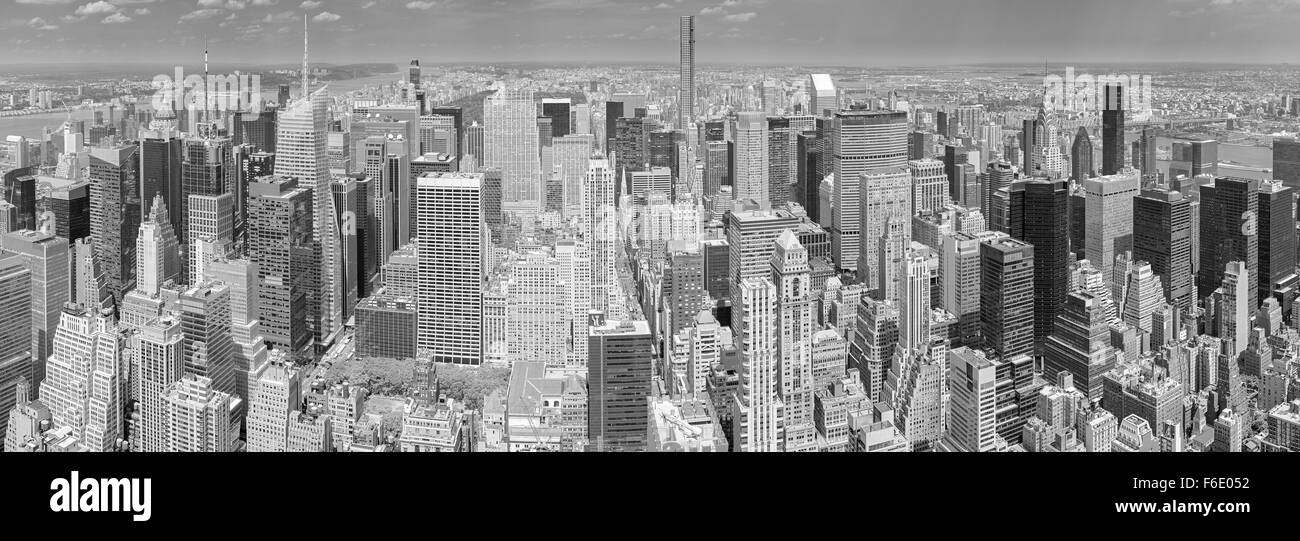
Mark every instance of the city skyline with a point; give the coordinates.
(757, 32)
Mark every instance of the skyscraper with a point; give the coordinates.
(451, 233)
(1081, 156)
(929, 185)
(1229, 231)
(1109, 217)
(599, 226)
(791, 277)
(1080, 343)
(199, 418)
(862, 141)
(885, 197)
(1277, 242)
(275, 392)
(300, 153)
(15, 330)
(823, 100)
(1162, 236)
(1112, 129)
(1040, 217)
(619, 366)
(211, 231)
(686, 85)
(751, 172)
(280, 242)
(758, 410)
(510, 141)
(115, 210)
(1007, 296)
(205, 327)
(158, 359)
(46, 258)
(959, 273)
(1286, 161)
(157, 250)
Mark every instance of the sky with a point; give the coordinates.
(783, 32)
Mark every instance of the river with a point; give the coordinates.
(32, 126)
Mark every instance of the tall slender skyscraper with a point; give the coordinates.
(1277, 242)
(791, 276)
(1112, 129)
(301, 153)
(758, 410)
(599, 226)
(115, 210)
(450, 292)
(686, 88)
(15, 330)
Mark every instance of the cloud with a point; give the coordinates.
(96, 8)
(200, 14)
(281, 17)
(662, 5)
(45, 2)
(309, 4)
(711, 10)
(142, 11)
(326, 17)
(40, 24)
(420, 5)
(740, 17)
(265, 2)
(116, 18)
(368, 5)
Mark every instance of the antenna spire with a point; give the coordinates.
(304, 56)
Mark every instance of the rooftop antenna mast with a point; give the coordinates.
(207, 100)
(304, 55)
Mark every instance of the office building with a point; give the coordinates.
(619, 365)
(449, 298)
(1007, 296)
(1162, 236)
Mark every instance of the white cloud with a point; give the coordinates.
(40, 24)
(740, 17)
(96, 8)
(200, 14)
(281, 17)
(211, 3)
(265, 2)
(711, 10)
(116, 18)
(662, 5)
(45, 2)
(326, 17)
(420, 5)
(142, 11)
(368, 5)
(309, 4)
